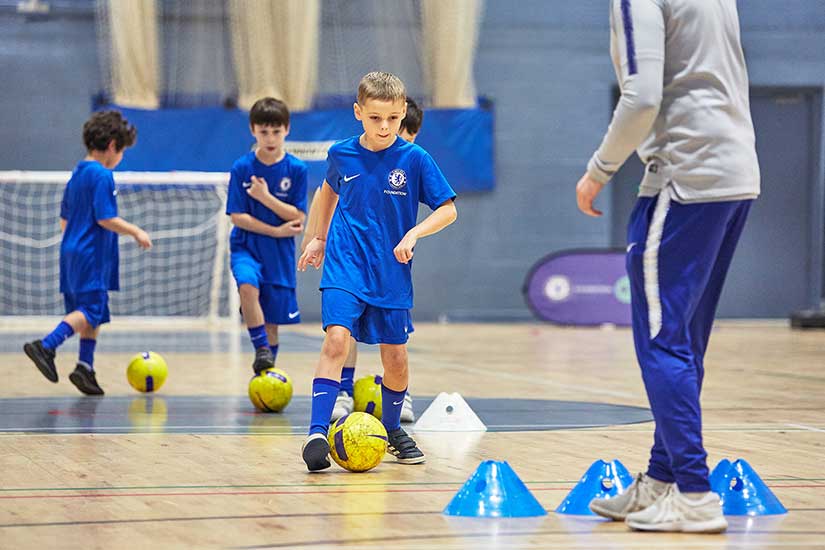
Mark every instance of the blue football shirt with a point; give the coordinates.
(89, 253)
(287, 181)
(378, 196)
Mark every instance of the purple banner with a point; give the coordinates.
(580, 287)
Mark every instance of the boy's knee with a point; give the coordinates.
(394, 358)
(248, 290)
(336, 344)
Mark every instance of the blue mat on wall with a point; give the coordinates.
(210, 139)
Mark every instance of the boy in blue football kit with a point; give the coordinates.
(266, 201)
(89, 248)
(410, 127)
(685, 108)
(365, 237)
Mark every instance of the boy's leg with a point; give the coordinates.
(42, 352)
(325, 388)
(393, 391)
(253, 316)
(340, 311)
(344, 402)
(83, 376)
(348, 372)
(394, 387)
(279, 306)
(272, 338)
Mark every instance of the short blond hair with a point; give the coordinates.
(382, 86)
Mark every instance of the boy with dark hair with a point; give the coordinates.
(411, 123)
(367, 208)
(89, 248)
(266, 201)
(410, 127)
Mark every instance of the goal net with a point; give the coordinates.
(184, 276)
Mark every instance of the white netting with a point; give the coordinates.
(184, 275)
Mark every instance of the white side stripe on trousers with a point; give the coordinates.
(651, 262)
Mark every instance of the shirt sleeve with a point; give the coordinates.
(301, 188)
(638, 42)
(104, 202)
(435, 190)
(333, 177)
(237, 201)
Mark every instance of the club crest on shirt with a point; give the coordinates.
(285, 184)
(397, 178)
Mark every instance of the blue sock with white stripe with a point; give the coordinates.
(87, 352)
(258, 337)
(324, 393)
(347, 379)
(58, 335)
(391, 403)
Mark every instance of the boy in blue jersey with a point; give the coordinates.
(365, 236)
(89, 248)
(410, 127)
(266, 201)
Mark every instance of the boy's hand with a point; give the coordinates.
(258, 189)
(586, 191)
(142, 239)
(313, 254)
(404, 251)
(289, 229)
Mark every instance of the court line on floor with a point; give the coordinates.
(279, 516)
(456, 483)
(807, 428)
(532, 534)
(169, 494)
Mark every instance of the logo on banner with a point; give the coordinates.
(557, 288)
(621, 290)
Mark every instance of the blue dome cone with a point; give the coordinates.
(743, 492)
(718, 474)
(494, 491)
(601, 480)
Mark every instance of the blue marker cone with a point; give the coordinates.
(743, 492)
(601, 480)
(718, 473)
(494, 491)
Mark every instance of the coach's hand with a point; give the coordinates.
(313, 254)
(586, 192)
(404, 251)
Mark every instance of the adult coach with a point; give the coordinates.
(684, 107)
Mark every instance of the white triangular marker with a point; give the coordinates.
(449, 413)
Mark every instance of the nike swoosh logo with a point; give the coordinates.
(319, 393)
(294, 314)
(630, 246)
(350, 178)
(397, 403)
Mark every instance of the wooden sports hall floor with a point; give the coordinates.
(764, 400)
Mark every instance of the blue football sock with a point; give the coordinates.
(274, 350)
(324, 393)
(58, 335)
(347, 379)
(391, 403)
(258, 337)
(87, 351)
